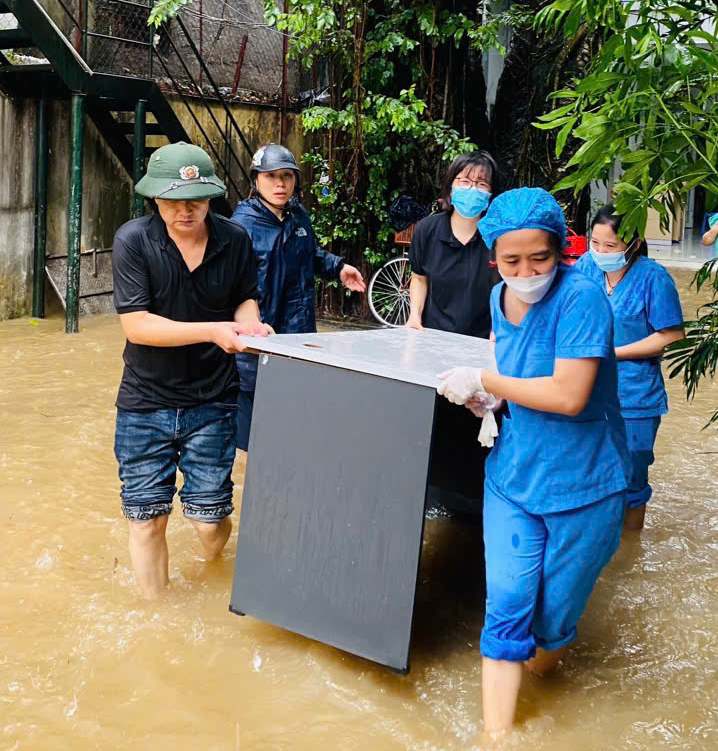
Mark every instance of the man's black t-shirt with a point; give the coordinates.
(458, 277)
(150, 274)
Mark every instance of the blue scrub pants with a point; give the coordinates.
(540, 571)
(245, 406)
(641, 433)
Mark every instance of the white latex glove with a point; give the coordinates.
(484, 406)
(481, 404)
(489, 430)
(458, 385)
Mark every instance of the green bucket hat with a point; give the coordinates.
(180, 172)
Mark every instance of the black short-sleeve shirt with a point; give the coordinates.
(150, 274)
(458, 277)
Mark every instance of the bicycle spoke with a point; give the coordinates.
(384, 285)
(405, 310)
(389, 292)
(391, 268)
(390, 313)
(398, 312)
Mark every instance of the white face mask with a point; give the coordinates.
(530, 289)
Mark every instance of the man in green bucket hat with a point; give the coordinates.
(185, 286)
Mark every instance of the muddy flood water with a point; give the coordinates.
(86, 664)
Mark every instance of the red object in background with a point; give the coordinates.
(576, 247)
(572, 252)
(404, 237)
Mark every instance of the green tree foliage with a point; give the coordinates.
(405, 91)
(696, 356)
(382, 118)
(163, 10)
(648, 104)
(538, 64)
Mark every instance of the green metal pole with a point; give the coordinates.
(41, 160)
(138, 203)
(72, 309)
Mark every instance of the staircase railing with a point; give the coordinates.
(112, 37)
(226, 133)
(109, 25)
(67, 33)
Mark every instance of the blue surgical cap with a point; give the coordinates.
(524, 208)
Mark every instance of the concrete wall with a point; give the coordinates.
(106, 189)
(17, 206)
(106, 196)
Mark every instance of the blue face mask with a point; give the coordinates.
(611, 261)
(470, 202)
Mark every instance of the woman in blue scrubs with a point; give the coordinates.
(556, 479)
(647, 317)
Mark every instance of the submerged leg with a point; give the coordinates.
(500, 684)
(544, 661)
(207, 452)
(635, 517)
(147, 460)
(148, 553)
(580, 543)
(213, 536)
(514, 547)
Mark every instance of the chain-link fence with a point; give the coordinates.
(218, 28)
(119, 40)
(244, 56)
(7, 21)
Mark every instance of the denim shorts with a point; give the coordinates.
(150, 446)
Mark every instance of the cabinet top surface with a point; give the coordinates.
(401, 354)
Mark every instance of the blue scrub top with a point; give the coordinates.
(645, 301)
(712, 219)
(543, 461)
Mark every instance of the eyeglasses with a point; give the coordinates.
(464, 182)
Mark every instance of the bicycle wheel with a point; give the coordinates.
(389, 292)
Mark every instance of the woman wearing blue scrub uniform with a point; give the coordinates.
(647, 317)
(711, 236)
(556, 479)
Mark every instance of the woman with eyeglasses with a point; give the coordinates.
(450, 290)
(450, 281)
(647, 318)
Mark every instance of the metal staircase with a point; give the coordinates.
(68, 73)
(118, 104)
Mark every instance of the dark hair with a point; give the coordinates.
(557, 246)
(481, 159)
(607, 215)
